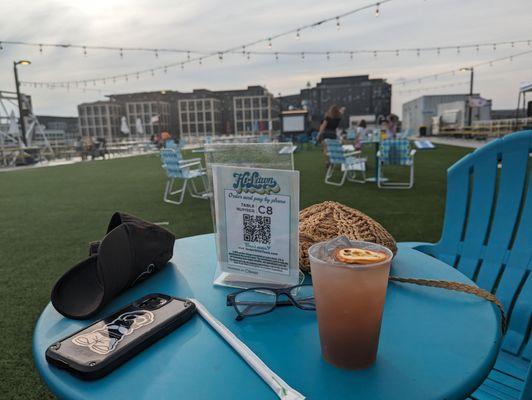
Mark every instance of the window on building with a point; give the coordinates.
(239, 126)
(208, 104)
(192, 128)
(183, 105)
(256, 115)
(208, 116)
(238, 103)
(199, 116)
(184, 117)
(191, 106)
(185, 128)
(199, 105)
(264, 101)
(247, 102)
(138, 108)
(201, 128)
(264, 114)
(247, 114)
(255, 102)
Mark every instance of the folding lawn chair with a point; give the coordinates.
(395, 152)
(349, 163)
(187, 170)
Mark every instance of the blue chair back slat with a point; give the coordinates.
(512, 181)
(395, 151)
(458, 181)
(170, 159)
(484, 176)
(516, 340)
(335, 151)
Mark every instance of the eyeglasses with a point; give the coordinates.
(262, 300)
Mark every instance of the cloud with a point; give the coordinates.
(210, 25)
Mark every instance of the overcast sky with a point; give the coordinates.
(209, 25)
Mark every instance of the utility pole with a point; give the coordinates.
(469, 108)
(19, 99)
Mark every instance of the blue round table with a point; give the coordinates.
(434, 344)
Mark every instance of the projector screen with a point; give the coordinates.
(294, 123)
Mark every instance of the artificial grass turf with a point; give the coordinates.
(48, 216)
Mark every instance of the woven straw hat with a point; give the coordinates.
(329, 219)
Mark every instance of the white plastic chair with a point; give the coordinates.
(178, 168)
(349, 163)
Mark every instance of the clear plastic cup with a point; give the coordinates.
(349, 303)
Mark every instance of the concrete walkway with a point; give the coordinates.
(460, 142)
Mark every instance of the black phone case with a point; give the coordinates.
(98, 349)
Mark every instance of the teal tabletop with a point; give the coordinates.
(434, 344)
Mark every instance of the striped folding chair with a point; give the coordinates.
(188, 170)
(395, 152)
(349, 163)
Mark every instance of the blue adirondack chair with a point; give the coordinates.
(487, 235)
(395, 152)
(349, 163)
(178, 168)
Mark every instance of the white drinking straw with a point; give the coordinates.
(280, 387)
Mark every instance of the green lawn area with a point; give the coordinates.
(49, 215)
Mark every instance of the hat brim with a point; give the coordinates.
(79, 292)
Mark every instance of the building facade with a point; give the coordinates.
(100, 119)
(193, 114)
(200, 117)
(419, 112)
(154, 116)
(360, 95)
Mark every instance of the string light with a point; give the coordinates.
(1, 47)
(377, 11)
(165, 70)
(85, 51)
(243, 51)
(276, 56)
(220, 56)
(328, 56)
(337, 23)
(417, 52)
(458, 50)
(397, 53)
(188, 55)
(247, 55)
(302, 56)
(199, 61)
(270, 43)
(438, 51)
(478, 48)
(298, 36)
(351, 55)
(156, 53)
(121, 53)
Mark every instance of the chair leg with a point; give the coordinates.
(397, 185)
(193, 190)
(329, 174)
(168, 192)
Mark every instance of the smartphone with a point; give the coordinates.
(95, 351)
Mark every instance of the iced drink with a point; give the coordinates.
(349, 302)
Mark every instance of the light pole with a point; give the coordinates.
(19, 98)
(469, 108)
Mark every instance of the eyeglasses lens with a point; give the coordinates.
(253, 302)
(304, 296)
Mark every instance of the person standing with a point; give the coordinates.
(330, 123)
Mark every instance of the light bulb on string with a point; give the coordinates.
(494, 47)
(302, 56)
(276, 56)
(478, 48)
(221, 56)
(417, 52)
(397, 53)
(298, 36)
(337, 23)
(328, 56)
(156, 53)
(40, 49)
(248, 55)
(438, 51)
(351, 55)
(1, 47)
(374, 54)
(200, 62)
(458, 50)
(513, 44)
(188, 54)
(269, 43)
(377, 11)
(84, 51)
(243, 51)
(165, 70)
(121, 53)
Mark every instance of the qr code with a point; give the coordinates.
(257, 229)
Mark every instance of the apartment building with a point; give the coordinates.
(100, 119)
(154, 116)
(200, 117)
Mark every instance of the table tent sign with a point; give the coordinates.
(256, 215)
